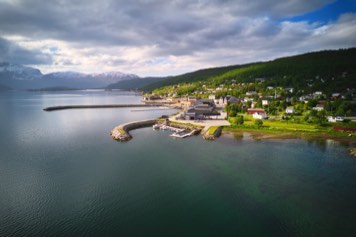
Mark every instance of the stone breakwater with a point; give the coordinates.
(216, 134)
(62, 107)
(122, 132)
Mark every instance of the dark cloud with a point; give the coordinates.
(211, 31)
(137, 22)
(13, 53)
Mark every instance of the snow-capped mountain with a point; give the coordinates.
(66, 75)
(21, 77)
(117, 76)
(19, 72)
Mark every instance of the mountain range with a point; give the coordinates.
(324, 70)
(19, 77)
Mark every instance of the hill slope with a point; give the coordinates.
(199, 75)
(325, 70)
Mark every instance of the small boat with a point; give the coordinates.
(178, 135)
(163, 127)
(156, 126)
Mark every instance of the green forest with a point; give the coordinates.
(329, 70)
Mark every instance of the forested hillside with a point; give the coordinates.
(325, 70)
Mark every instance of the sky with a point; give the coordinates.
(161, 38)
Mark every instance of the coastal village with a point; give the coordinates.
(264, 103)
(252, 106)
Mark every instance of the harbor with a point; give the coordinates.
(177, 132)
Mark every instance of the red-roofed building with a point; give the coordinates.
(258, 111)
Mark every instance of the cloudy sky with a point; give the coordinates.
(161, 37)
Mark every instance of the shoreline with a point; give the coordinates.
(278, 135)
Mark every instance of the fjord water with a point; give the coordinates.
(61, 174)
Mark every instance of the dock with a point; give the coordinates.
(177, 135)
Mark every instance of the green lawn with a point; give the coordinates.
(212, 130)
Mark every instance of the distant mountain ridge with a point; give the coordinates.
(22, 77)
(328, 69)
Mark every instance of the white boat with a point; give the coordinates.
(177, 135)
(156, 126)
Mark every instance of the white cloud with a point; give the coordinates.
(158, 37)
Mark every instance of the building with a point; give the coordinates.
(251, 93)
(258, 111)
(259, 115)
(333, 119)
(203, 109)
(289, 89)
(265, 102)
(335, 96)
(318, 107)
(233, 100)
(222, 101)
(290, 110)
(212, 97)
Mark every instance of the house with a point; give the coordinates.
(290, 110)
(185, 103)
(318, 107)
(212, 97)
(290, 90)
(250, 93)
(222, 101)
(333, 119)
(258, 111)
(192, 98)
(265, 102)
(233, 100)
(335, 96)
(152, 97)
(259, 115)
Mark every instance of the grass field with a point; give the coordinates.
(283, 126)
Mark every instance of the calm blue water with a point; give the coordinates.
(61, 174)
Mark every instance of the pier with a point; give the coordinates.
(63, 107)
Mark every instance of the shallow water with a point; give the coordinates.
(61, 174)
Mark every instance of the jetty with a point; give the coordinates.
(122, 132)
(177, 135)
(63, 107)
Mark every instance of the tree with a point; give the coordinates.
(258, 123)
(240, 120)
(321, 119)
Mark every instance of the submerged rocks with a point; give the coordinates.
(353, 152)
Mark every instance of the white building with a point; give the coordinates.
(290, 110)
(265, 102)
(318, 108)
(212, 97)
(333, 119)
(259, 115)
